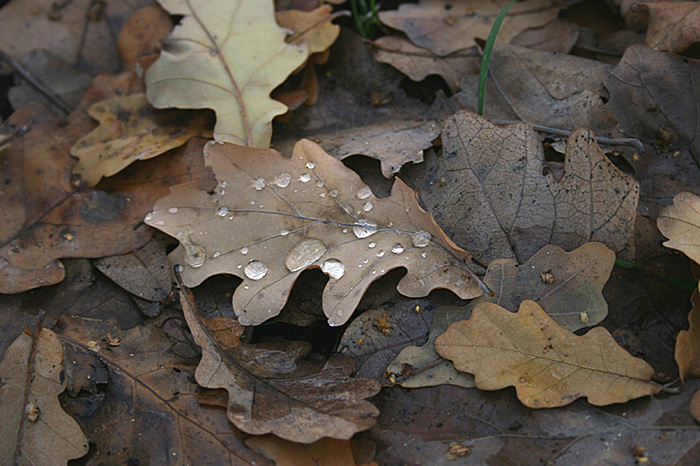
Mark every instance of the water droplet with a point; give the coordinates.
(246, 287)
(322, 194)
(305, 178)
(179, 268)
(421, 239)
(255, 270)
(397, 248)
(258, 184)
(159, 223)
(364, 229)
(333, 268)
(364, 192)
(423, 255)
(196, 254)
(284, 233)
(372, 245)
(216, 254)
(252, 202)
(390, 224)
(239, 266)
(148, 218)
(244, 251)
(380, 253)
(172, 210)
(319, 184)
(333, 193)
(223, 184)
(283, 179)
(368, 206)
(222, 211)
(348, 208)
(365, 261)
(345, 230)
(222, 192)
(304, 254)
(310, 165)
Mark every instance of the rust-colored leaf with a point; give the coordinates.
(547, 365)
(271, 218)
(35, 429)
(273, 390)
(324, 452)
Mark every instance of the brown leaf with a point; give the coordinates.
(498, 201)
(273, 390)
(557, 36)
(311, 27)
(547, 365)
(141, 35)
(150, 400)
(130, 130)
(574, 300)
(687, 343)
(445, 27)
(673, 26)
(418, 63)
(695, 406)
(271, 218)
(218, 57)
(35, 428)
(680, 223)
(324, 452)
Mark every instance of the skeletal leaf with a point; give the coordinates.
(273, 390)
(270, 218)
(547, 365)
(680, 223)
(35, 429)
(227, 56)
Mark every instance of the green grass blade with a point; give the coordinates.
(486, 59)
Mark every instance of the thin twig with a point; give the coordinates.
(38, 85)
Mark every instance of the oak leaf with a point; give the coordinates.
(680, 223)
(324, 452)
(130, 130)
(572, 296)
(226, 56)
(273, 390)
(673, 26)
(311, 27)
(271, 218)
(35, 429)
(687, 348)
(547, 365)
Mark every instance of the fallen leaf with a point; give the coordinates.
(324, 452)
(129, 130)
(680, 223)
(313, 28)
(695, 406)
(271, 218)
(141, 35)
(557, 36)
(418, 63)
(673, 26)
(35, 428)
(574, 300)
(273, 390)
(687, 348)
(491, 193)
(547, 365)
(226, 56)
(444, 26)
(150, 398)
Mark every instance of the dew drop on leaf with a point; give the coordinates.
(305, 178)
(333, 268)
(397, 248)
(305, 253)
(368, 206)
(333, 192)
(283, 179)
(364, 229)
(258, 184)
(222, 211)
(244, 251)
(172, 210)
(255, 270)
(196, 254)
(310, 165)
(364, 192)
(421, 239)
(372, 245)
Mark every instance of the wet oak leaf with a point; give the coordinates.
(35, 429)
(574, 299)
(680, 223)
(227, 56)
(130, 129)
(273, 390)
(271, 218)
(548, 366)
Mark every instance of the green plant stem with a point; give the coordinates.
(486, 59)
(356, 17)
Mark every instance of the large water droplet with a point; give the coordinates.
(372, 245)
(364, 229)
(258, 183)
(333, 268)
(172, 210)
(255, 270)
(244, 250)
(305, 178)
(304, 254)
(283, 179)
(333, 193)
(380, 253)
(364, 192)
(368, 206)
(222, 211)
(421, 239)
(195, 254)
(397, 248)
(310, 165)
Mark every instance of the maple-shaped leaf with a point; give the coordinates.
(226, 56)
(270, 218)
(35, 429)
(548, 365)
(273, 390)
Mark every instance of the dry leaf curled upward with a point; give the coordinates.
(227, 56)
(680, 223)
(270, 218)
(547, 365)
(40, 432)
(273, 390)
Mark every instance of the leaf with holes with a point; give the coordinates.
(270, 218)
(227, 56)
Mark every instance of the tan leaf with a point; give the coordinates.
(688, 342)
(680, 223)
(499, 201)
(227, 56)
(35, 429)
(695, 406)
(130, 130)
(574, 299)
(547, 365)
(273, 390)
(151, 399)
(445, 26)
(418, 63)
(141, 35)
(271, 218)
(324, 452)
(311, 27)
